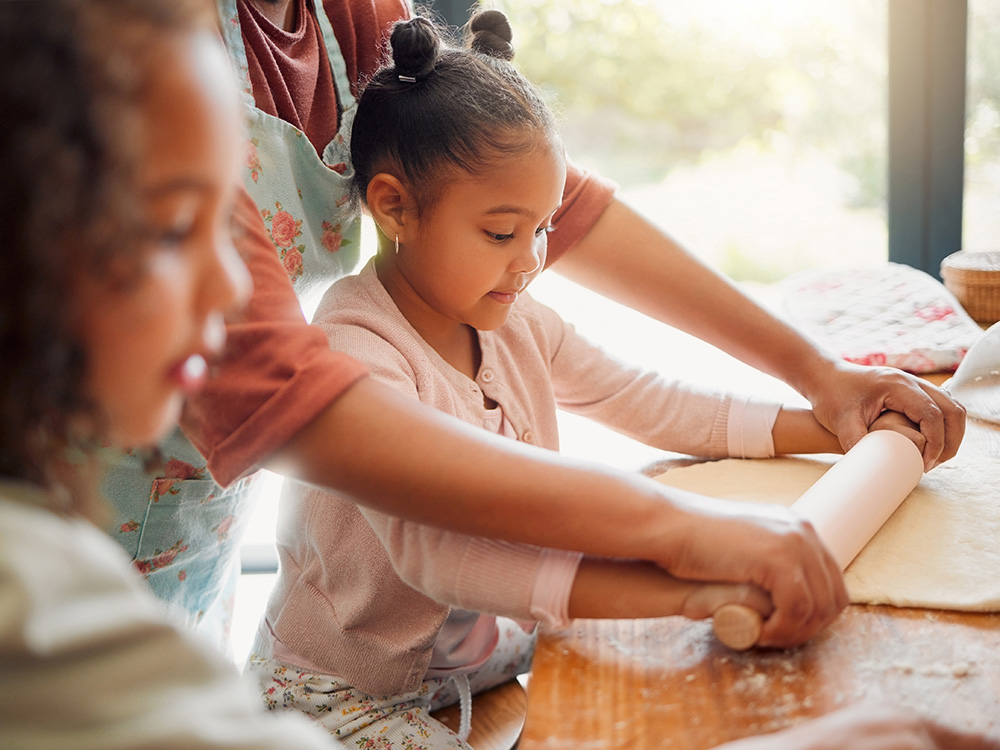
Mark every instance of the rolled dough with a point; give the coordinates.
(940, 549)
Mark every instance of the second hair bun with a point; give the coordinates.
(491, 34)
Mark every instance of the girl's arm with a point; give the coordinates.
(463, 478)
(676, 415)
(656, 276)
(626, 589)
(797, 430)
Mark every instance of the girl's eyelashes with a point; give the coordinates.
(498, 237)
(160, 237)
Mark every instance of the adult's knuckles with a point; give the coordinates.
(794, 541)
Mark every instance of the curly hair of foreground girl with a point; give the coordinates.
(68, 156)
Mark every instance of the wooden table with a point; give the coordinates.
(668, 684)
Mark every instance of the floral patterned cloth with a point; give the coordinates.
(893, 315)
(387, 722)
(181, 528)
(303, 198)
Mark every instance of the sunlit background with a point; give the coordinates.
(754, 131)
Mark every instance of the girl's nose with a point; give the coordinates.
(531, 259)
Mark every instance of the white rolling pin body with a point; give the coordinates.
(855, 497)
(847, 506)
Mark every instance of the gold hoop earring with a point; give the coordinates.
(397, 244)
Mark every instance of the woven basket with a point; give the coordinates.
(974, 278)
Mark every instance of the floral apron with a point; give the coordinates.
(181, 528)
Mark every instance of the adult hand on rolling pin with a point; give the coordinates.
(848, 401)
(765, 545)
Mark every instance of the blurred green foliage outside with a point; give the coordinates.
(647, 85)
(656, 92)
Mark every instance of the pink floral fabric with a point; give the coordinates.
(303, 196)
(893, 315)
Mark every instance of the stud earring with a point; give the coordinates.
(397, 244)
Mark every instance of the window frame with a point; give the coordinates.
(927, 91)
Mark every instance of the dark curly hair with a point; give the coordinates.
(68, 152)
(436, 107)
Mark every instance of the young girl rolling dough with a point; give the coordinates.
(376, 620)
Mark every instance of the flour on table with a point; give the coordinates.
(940, 549)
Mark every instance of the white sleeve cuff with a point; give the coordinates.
(553, 584)
(748, 431)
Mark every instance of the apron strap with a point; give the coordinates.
(337, 63)
(230, 21)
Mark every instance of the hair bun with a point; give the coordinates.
(415, 45)
(491, 34)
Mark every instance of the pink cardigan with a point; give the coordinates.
(364, 594)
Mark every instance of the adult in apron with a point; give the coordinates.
(182, 529)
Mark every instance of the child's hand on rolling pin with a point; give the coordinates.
(893, 420)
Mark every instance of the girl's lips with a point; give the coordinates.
(504, 298)
(190, 374)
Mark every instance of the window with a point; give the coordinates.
(755, 132)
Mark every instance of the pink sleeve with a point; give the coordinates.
(473, 573)
(664, 413)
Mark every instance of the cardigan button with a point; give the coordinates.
(528, 436)
(487, 376)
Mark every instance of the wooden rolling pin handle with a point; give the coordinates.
(737, 626)
(846, 506)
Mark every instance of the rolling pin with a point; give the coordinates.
(846, 506)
